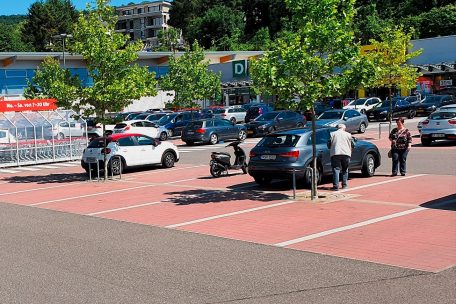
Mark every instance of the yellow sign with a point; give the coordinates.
(367, 48)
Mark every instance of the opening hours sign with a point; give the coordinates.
(27, 105)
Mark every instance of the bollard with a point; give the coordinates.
(294, 183)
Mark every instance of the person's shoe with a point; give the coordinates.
(334, 189)
(394, 174)
(402, 174)
(344, 187)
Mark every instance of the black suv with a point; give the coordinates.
(257, 110)
(400, 107)
(275, 121)
(432, 103)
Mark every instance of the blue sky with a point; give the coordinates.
(12, 7)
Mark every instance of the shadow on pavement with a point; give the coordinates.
(48, 179)
(189, 197)
(444, 203)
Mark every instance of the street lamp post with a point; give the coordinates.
(63, 37)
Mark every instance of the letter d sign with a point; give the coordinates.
(239, 68)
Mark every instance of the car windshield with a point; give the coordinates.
(142, 116)
(432, 99)
(218, 111)
(358, 102)
(279, 141)
(442, 115)
(99, 142)
(120, 126)
(331, 115)
(267, 116)
(155, 116)
(195, 124)
(166, 119)
(386, 103)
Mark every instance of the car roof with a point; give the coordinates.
(302, 131)
(133, 121)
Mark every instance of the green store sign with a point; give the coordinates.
(240, 68)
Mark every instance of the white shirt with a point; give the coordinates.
(341, 143)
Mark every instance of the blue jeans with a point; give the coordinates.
(339, 164)
(399, 158)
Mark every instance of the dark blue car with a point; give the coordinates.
(275, 121)
(212, 131)
(277, 155)
(176, 122)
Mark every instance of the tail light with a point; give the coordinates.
(127, 128)
(425, 122)
(223, 114)
(200, 131)
(107, 150)
(294, 154)
(260, 111)
(252, 154)
(452, 121)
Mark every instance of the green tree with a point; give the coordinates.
(45, 19)
(302, 64)
(439, 21)
(169, 40)
(10, 38)
(190, 78)
(117, 81)
(390, 57)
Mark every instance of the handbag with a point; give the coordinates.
(390, 154)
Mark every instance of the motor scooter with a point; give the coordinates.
(221, 161)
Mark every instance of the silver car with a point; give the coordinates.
(440, 125)
(234, 114)
(352, 119)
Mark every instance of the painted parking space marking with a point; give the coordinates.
(124, 208)
(47, 167)
(394, 180)
(27, 169)
(360, 224)
(8, 171)
(210, 218)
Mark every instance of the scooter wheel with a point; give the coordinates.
(216, 171)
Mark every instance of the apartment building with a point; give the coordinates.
(143, 21)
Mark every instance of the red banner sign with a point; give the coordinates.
(27, 105)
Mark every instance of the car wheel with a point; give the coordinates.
(271, 129)
(214, 139)
(116, 166)
(363, 111)
(426, 141)
(163, 136)
(233, 119)
(368, 168)
(299, 125)
(216, 170)
(411, 114)
(308, 176)
(242, 135)
(362, 128)
(171, 132)
(168, 160)
(262, 181)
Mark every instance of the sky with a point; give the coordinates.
(13, 7)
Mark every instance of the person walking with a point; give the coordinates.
(401, 140)
(341, 145)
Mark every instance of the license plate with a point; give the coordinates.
(249, 132)
(420, 110)
(91, 160)
(269, 157)
(190, 132)
(438, 135)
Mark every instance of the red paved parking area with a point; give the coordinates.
(403, 221)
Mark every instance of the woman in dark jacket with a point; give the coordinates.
(401, 140)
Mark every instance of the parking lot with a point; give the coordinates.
(402, 224)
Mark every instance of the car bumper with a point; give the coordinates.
(439, 133)
(195, 137)
(256, 132)
(276, 171)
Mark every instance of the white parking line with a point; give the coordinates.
(8, 171)
(67, 164)
(124, 208)
(360, 224)
(27, 169)
(392, 180)
(229, 214)
(37, 189)
(46, 167)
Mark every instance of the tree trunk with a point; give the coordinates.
(314, 193)
(105, 164)
(390, 110)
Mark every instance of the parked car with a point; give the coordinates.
(6, 137)
(63, 129)
(234, 114)
(400, 108)
(352, 119)
(176, 122)
(414, 99)
(129, 150)
(152, 117)
(212, 130)
(319, 108)
(363, 104)
(439, 125)
(432, 103)
(275, 121)
(278, 154)
(144, 127)
(247, 106)
(126, 116)
(211, 112)
(255, 111)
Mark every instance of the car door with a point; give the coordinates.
(240, 114)
(323, 153)
(348, 120)
(400, 109)
(181, 122)
(130, 150)
(150, 129)
(281, 121)
(149, 152)
(357, 118)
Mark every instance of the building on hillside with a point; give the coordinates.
(143, 21)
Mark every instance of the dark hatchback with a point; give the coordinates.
(212, 131)
(275, 121)
(255, 111)
(400, 107)
(176, 122)
(432, 103)
(277, 155)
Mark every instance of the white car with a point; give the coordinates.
(362, 105)
(63, 129)
(6, 137)
(129, 150)
(439, 125)
(144, 127)
(234, 114)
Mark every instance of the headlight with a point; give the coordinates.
(383, 112)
